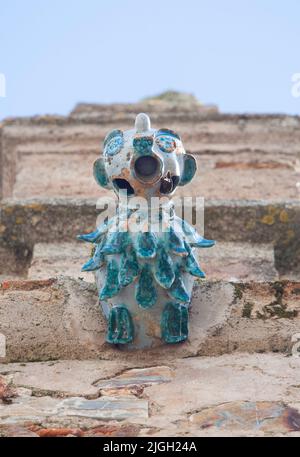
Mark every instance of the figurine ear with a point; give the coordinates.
(100, 173)
(189, 169)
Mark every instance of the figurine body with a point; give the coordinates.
(144, 257)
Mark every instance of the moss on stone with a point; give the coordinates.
(247, 310)
(238, 292)
(277, 308)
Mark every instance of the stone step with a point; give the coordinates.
(239, 262)
(270, 137)
(227, 261)
(27, 222)
(67, 172)
(54, 259)
(60, 318)
(230, 395)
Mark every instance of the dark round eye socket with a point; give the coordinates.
(123, 185)
(146, 168)
(166, 143)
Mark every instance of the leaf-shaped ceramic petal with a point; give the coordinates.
(94, 237)
(120, 326)
(95, 262)
(193, 238)
(116, 242)
(111, 286)
(178, 290)
(174, 323)
(146, 294)
(163, 269)
(129, 268)
(192, 266)
(146, 245)
(176, 243)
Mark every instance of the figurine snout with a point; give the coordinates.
(148, 169)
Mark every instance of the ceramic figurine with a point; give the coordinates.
(145, 275)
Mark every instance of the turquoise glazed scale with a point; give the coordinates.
(144, 257)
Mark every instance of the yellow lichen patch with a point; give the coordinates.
(268, 219)
(283, 216)
(272, 211)
(35, 207)
(251, 225)
(19, 220)
(8, 209)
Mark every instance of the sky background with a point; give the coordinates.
(240, 55)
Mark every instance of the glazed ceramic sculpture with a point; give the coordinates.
(145, 276)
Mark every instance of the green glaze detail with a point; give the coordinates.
(146, 245)
(176, 244)
(164, 271)
(113, 143)
(192, 266)
(120, 326)
(166, 143)
(129, 268)
(111, 135)
(100, 173)
(115, 243)
(146, 294)
(143, 145)
(94, 237)
(189, 169)
(193, 238)
(168, 132)
(95, 262)
(174, 323)
(111, 286)
(178, 290)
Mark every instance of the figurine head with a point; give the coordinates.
(144, 162)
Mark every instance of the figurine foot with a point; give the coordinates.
(174, 324)
(120, 326)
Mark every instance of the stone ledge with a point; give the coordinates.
(231, 395)
(26, 222)
(60, 318)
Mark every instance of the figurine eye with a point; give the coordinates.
(166, 143)
(113, 142)
(114, 145)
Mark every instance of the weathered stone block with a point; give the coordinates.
(60, 318)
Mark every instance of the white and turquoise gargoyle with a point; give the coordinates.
(144, 257)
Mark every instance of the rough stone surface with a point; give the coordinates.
(55, 259)
(50, 319)
(26, 223)
(60, 318)
(249, 175)
(231, 395)
(229, 261)
(239, 261)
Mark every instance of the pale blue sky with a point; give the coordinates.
(238, 54)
